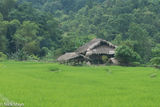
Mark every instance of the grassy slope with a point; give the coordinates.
(36, 86)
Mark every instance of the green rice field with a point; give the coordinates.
(34, 84)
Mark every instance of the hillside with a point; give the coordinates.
(47, 25)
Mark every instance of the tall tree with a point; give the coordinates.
(26, 37)
(136, 33)
(6, 6)
(3, 32)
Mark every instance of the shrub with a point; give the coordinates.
(32, 57)
(155, 61)
(126, 55)
(2, 56)
(135, 64)
(19, 55)
(50, 56)
(156, 51)
(53, 69)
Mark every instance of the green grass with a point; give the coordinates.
(53, 85)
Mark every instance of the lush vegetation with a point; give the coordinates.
(126, 55)
(44, 29)
(49, 85)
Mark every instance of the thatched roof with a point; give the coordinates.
(101, 50)
(68, 56)
(97, 46)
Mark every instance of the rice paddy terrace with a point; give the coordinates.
(52, 85)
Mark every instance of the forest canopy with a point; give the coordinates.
(42, 29)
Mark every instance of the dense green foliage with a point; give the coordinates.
(126, 55)
(45, 27)
(156, 55)
(25, 29)
(3, 57)
(53, 85)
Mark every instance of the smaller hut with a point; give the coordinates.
(72, 57)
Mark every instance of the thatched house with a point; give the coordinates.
(97, 51)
